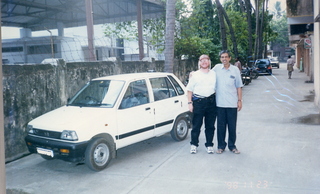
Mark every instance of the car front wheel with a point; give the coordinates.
(46, 157)
(98, 154)
(180, 129)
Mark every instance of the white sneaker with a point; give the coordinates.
(193, 149)
(210, 150)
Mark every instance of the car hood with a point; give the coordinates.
(72, 118)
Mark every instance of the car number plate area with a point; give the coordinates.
(45, 152)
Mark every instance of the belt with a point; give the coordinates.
(196, 96)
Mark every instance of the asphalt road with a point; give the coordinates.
(279, 154)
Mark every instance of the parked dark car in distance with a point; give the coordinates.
(274, 62)
(263, 66)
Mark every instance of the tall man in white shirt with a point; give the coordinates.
(202, 103)
(229, 101)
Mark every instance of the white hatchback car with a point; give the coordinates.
(109, 113)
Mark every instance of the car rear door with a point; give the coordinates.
(167, 104)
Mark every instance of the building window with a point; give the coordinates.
(42, 49)
(12, 49)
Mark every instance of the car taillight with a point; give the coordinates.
(269, 67)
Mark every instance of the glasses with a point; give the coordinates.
(204, 59)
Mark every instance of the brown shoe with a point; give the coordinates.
(235, 151)
(219, 151)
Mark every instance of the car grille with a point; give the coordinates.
(45, 133)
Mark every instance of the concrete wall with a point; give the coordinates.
(32, 90)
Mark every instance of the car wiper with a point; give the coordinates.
(77, 104)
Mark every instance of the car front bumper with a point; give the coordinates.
(67, 151)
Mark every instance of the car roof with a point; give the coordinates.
(133, 76)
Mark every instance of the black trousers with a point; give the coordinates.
(203, 109)
(227, 118)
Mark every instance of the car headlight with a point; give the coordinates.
(30, 129)
(69, 135)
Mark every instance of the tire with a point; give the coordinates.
(246, 82)
(98, 154)
(46, 157)
(255, 75)
(180, 129)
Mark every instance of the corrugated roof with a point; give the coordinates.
(41, 14)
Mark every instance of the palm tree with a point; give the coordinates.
(169, 37)
(223, 31)
(277, 11)
(248, 13)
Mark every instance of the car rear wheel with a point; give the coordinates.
(180, 129)
(98, 154)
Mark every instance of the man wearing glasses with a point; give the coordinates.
(202, 103)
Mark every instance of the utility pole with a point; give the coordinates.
(90, 31)
(140, 30)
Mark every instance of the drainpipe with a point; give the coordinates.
(2, 155)
(51, 40)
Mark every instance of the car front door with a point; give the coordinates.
(135, 115)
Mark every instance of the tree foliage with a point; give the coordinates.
(197, 33)
(153, 31)
(279, 26)
(197, 28)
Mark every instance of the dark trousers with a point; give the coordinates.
(226, 117)
(203, 109)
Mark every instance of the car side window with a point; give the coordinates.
(162, 88)
(136, 94)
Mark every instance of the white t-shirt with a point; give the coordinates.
(203, 84)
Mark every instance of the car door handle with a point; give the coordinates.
(148, 108)
(176, 101)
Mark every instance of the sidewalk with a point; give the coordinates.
(278, 154)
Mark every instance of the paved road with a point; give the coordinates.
(278, 154)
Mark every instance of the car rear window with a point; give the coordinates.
(176, 85)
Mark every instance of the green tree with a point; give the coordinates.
(153, 31)
(280, 27)
(197, 33)
(276, 11)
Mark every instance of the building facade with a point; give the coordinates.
(304, 34)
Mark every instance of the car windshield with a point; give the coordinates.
(98, 93)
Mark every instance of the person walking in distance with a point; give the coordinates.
(229, 101)
(238, 64)
(290, 64)
(202, 103)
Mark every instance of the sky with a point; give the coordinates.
(11, 32)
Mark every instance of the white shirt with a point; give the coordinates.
(203, 84)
